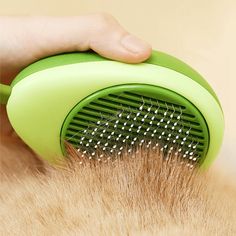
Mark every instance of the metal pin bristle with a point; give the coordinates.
(156, 125)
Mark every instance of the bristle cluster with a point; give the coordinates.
(137, 122)
(137, 152)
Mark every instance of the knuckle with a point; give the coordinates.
(104, 19)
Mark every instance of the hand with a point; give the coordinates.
(26, 39)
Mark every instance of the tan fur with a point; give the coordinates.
(143, 195)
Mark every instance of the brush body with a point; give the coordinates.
(79, 97)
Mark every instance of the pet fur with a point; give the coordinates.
(139, 194)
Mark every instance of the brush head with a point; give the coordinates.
(103, 107)
(120, 118)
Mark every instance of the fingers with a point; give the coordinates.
(110, 40)
(25, 39)
(100, 32)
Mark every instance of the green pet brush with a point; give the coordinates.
(104, 106)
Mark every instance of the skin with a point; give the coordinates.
(26, 39)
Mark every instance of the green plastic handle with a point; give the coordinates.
(5, 92)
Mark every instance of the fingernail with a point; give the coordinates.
(133, 44)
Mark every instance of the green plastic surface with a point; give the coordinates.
(39, 103)
(5, 92)
(157, 58)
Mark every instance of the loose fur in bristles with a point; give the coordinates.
(144, 195)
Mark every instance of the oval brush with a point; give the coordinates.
(104, 106)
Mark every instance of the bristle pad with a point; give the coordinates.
(123, 120)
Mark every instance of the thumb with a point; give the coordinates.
(112, 41)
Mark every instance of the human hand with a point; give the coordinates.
(27, 39)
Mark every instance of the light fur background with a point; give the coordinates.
(128, 198)
(139, 195)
